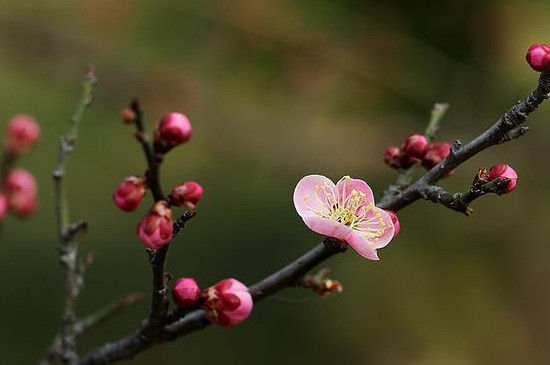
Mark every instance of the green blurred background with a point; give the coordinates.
(277, 89)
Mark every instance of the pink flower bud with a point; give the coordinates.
(186, 194)
(185, 292)
(130, 193)
(392, 157)
(3, 206)
(503, 171)
(395, 222)
(415, 146)
(173, 129)
(538, 57)
(155, 229)
(21, 192)
(227, 303)
(435, 152)
(22, 132)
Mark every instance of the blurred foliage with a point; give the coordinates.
(277, 89)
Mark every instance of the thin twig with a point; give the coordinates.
(68, 249)
(157, 258)
(84, 325)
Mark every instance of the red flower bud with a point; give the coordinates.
(21, 192)
(3, 206)
(538, 57)
(395, 222)
(185, 292)
(186, 194)
(130, 193)
(228, 303)
(415, 146)
(435, 152)
(21, 134)
(128, 116)
(503, 171)
(155, 229)
(173, 129)
(392, 157)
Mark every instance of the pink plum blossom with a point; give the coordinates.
(344, 211)
(228, 303)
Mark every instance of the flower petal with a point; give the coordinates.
(328, 227)
(376, 226)
(346, 185)
(362, 246)
(312, 195)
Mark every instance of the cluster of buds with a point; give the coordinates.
(227, 303)
(156, 228)
(499, 179)
(18, 189)
(538, 57)
(415, 149)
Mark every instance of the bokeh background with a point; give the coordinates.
(277, 89)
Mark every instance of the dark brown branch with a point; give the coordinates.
(497, 133)
(129, 346)
(157, 258)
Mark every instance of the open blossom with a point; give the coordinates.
(21, 134)
(344, 211)
(155, 229)
(228, 303)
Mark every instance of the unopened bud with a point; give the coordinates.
(503, 171)
(173, 129)
(228, 303)
(21, 189)
(186, 194)
(392, 157)
(395, 221)
(130, 193)
(538, 57)
(185, 292)
(415, 146)
(3, 206)
(155, 229)
(128, 116)
(22, 132)
(435, 153)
